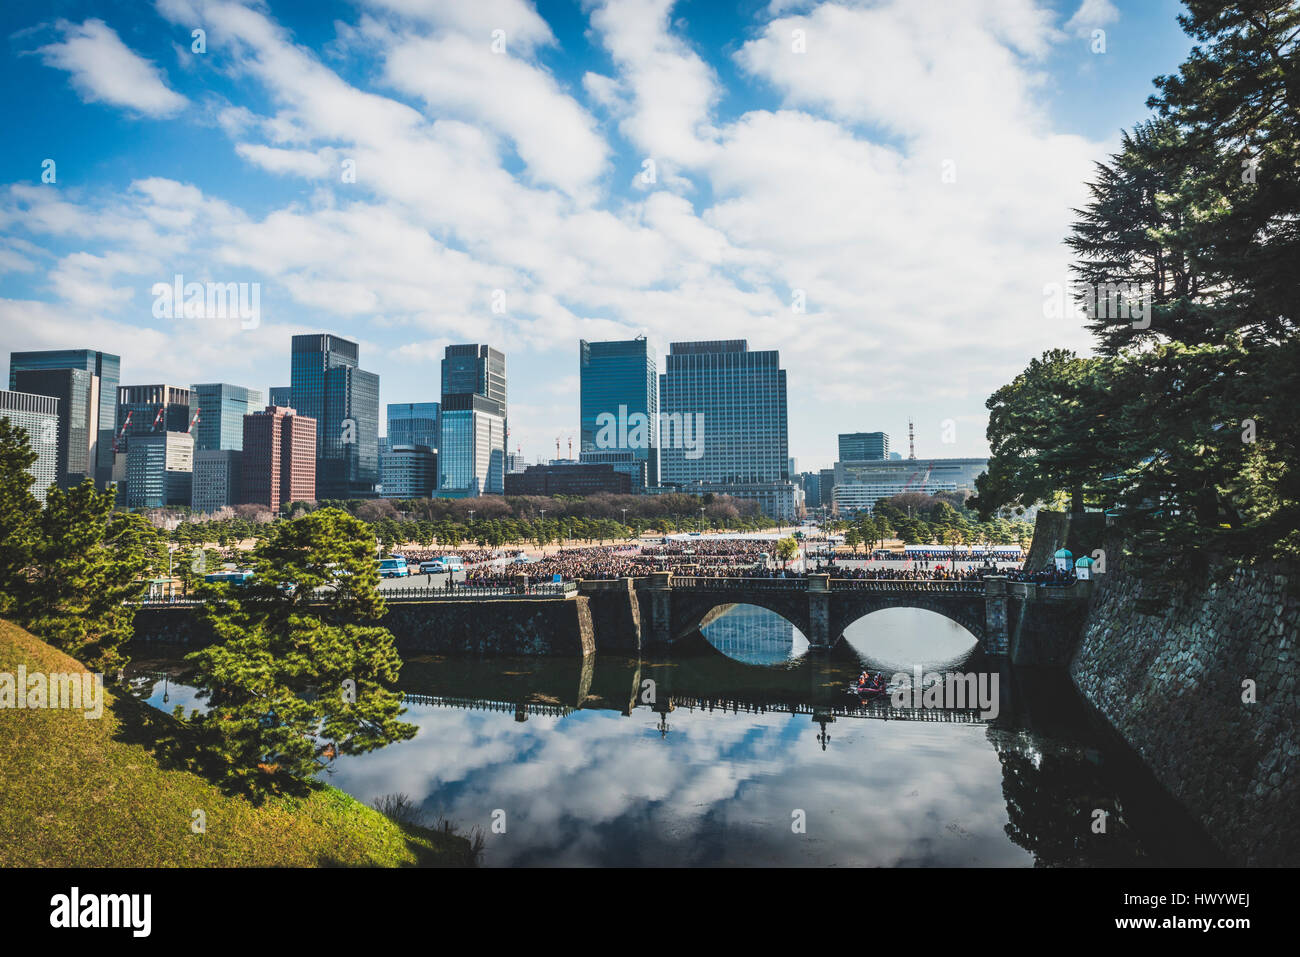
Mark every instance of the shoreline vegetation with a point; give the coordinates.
(81, 792)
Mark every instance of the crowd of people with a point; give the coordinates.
(1052, 576)
(719, 558)
(916, 573)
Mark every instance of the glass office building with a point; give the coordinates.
(106, 368)
(160, 470)
(327, 385)
(863, 446)
(77, 393)
(722, 415)
(474, 369)
(472, 422)
(472, 459)
(619, 381)
(280, 395)
(413, 423)
(221, 408)
(151, 409)
(408, 471)
(38, 416)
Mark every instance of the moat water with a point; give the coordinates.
(745, 750)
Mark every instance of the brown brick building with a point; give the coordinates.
(279, 457)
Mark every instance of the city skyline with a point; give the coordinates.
(605, 203)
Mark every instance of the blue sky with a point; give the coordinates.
(906, 168)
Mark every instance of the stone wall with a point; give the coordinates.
(1172, 684)
(507, 626)
(615, 615)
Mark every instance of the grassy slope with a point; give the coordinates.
(90, 793)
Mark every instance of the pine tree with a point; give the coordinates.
(299, 671)
(19, 513)
(86, 564)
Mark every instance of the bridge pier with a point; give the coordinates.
(660, 592)
(996, 641)
(819, 612)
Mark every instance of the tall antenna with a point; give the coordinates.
(911, 440)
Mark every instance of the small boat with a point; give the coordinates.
(868, 691)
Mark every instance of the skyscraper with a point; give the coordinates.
(218, 477)
(76, 392)
(863, 446)
(106, 368)
(279, 395)
(408, 471)
(160, 470)
(723, 415)
(151, 409)
(38, 415)
(221, 408)
(279, 458)
(327, 385)
(472, 422)
(619, 385)
(474, 369)
(413, 423)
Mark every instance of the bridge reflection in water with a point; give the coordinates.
(699, 760)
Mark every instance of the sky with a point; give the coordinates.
(878, 189)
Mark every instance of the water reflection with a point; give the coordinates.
(753, 635)
(897, 639)
(704, 760)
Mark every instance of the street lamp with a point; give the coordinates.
(701, 521)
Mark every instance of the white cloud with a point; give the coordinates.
(460, 76)
(1091, 15)
(104, 69)
(835, 190)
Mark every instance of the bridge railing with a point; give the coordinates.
(894, 586)
(422, 592)
(746, 584)
(461, 591)
(488, 704)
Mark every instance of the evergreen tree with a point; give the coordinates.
(19, 513)
(299, 671)
(87, 562)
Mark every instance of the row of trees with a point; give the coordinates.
(916, 518)
(1181, 425)
(493, 520)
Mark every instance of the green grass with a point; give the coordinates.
(94, 793)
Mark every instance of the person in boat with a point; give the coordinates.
(862, 683)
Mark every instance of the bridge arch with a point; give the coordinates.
(691, 609)
(965, 610)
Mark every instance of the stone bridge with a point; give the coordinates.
(993, 610)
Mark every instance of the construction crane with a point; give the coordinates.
(571, 448)
(162, 409)
(907, 486)
(193, 422)
(122, 431)
(557, 447)
(911, 440)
